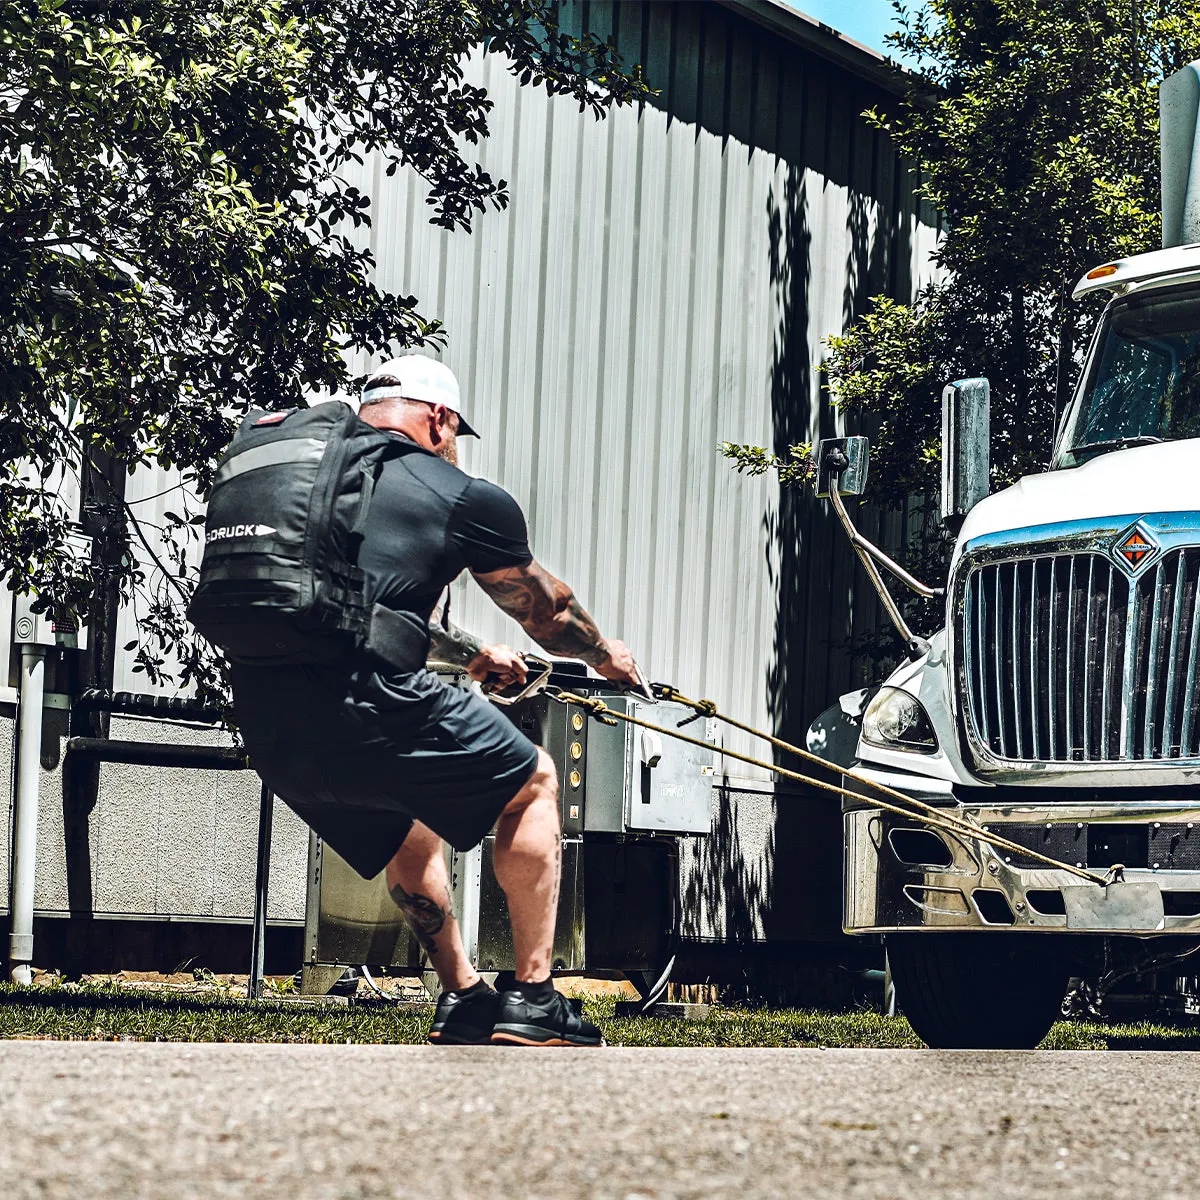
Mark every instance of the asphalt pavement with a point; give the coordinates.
(357, 1122)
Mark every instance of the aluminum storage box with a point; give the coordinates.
(638, 781)
(624, 798)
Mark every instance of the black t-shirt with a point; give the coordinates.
(428, 522)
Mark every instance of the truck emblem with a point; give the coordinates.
(1135, 548)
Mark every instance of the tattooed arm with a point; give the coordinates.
(548, 611)
(448, 643)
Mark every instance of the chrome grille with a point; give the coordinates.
(1069, 660)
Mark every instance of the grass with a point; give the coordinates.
(107, 1012)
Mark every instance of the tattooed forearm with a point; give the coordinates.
(424, 916)
(547, 610)
(578, 637)
(449, 644)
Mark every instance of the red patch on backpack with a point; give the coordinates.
(271, 419)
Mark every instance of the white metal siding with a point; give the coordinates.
(661, 281)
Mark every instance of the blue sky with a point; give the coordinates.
(865, 21)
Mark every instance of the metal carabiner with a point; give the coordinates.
(643, 689)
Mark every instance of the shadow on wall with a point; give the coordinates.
(799, 585)
(716, 70)
(790, 887)
(824, 601)
(773, 864)
(806, 562)
(724, 890)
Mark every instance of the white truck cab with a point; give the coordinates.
(1059, 707)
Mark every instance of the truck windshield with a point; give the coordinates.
(1143, 384)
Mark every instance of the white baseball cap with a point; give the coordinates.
(416, 377)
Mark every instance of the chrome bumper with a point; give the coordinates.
(973, 886)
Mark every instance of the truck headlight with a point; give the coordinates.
(894, 720)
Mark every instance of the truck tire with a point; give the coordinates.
(979, 991)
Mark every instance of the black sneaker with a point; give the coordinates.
(465, 1018)
(555, 1021)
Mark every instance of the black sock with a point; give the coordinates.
(538, 993)
(479, 986)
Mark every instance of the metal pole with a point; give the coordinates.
(468, 918)
(24, 860)
(262, 877)
(861, 543)
(889, 988)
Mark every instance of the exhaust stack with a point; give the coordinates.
(1179, 104)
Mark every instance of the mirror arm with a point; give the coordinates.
(889, 564)
(867, 553)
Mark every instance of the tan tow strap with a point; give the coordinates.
(916, 810)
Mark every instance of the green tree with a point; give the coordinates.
(1040, 147)
(177, 238)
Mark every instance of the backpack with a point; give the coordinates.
(279, 581)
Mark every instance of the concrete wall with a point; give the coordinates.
(163, 841)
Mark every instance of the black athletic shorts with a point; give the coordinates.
(360, 754)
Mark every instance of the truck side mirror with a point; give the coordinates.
(848, 459)
(966, 457)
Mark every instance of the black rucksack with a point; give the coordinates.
(279, 581)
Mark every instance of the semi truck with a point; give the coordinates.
(1059, 705)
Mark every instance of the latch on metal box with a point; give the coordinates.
(652, 748)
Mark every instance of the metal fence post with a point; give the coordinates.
(25, 826)
(262, 876)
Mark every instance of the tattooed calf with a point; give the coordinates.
(424, 916)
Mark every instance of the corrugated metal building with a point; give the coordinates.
(660, 282)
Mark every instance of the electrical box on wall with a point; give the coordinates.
(41, 629)
(31, 628)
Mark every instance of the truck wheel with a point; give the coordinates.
(972, 991)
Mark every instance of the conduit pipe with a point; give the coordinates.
(25, 825)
